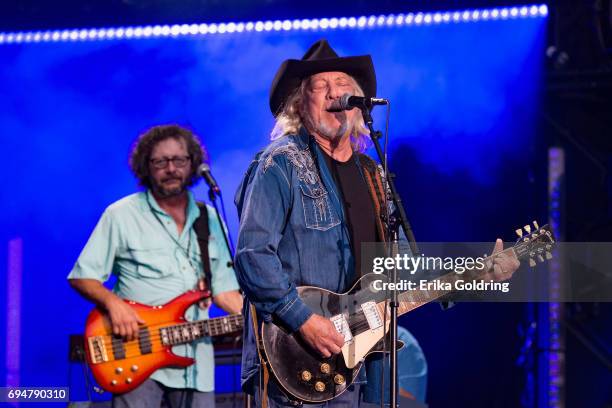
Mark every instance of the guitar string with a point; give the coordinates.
(360, 322)
(214, 327)
(357, 323)
(132, 348)
(135, 350)
(217, 327)
(136, 345)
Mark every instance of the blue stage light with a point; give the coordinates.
(390, 20)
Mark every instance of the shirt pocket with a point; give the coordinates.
(151, 262)
(318, 213)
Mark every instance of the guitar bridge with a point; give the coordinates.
(97, 350)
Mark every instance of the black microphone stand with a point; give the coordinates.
(212, 195)
(398, 219)
(375, 135)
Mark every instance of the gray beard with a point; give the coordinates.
(329, 133)
(326, 131)
(170, 192)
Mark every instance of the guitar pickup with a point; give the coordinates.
(97, 350)
(144, 341)
(372, 315)
(342, 327)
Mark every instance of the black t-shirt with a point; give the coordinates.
(358, 206)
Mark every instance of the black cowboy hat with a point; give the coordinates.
(320, 57)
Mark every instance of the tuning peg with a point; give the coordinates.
(527, 228)
(548, 255)
(540, 258)
(535, 224)
(532, 262)
(519, 232)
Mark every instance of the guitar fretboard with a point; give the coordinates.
(413, 299)
(187, 332)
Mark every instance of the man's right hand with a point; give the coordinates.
(123, 318)
(320, 333)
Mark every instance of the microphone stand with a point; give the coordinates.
(212, 195)
(375, 135)
(398, 219)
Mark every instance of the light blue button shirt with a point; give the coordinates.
(153, 265)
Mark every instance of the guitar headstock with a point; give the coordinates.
(534, 244)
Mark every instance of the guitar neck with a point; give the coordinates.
(223, 325)
(190, 331)
(445, 285)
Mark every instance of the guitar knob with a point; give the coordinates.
(339, 379)
(118, 370)
(128, 380)
(114, 382)
(134, 368)
(306, 375)
(325, 368)
(320, 386)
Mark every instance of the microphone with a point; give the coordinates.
(348, 102)
(204, 172)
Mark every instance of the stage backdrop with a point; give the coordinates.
(462, 136)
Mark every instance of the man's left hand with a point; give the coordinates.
(504, 263)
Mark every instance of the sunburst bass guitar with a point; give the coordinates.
(120, 366)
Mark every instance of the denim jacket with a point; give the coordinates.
(292, 233)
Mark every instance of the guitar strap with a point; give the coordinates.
(375, 183)
(200, 225)
(265, 375)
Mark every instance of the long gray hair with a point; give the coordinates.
(289, 120)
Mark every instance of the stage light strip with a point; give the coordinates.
(13, 312)
(555, 392)
(320, 24)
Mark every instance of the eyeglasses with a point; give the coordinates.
(178, 161)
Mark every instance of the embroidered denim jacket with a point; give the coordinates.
(292, 234)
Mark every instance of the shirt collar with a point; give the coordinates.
(193, 211)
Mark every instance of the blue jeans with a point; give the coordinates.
(277, 398)
(150, 394)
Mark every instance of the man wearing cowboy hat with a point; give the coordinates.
(306, 204)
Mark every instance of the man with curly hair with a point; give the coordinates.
(148, 241)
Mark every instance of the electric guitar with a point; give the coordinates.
(120, 366)
(359, 315)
